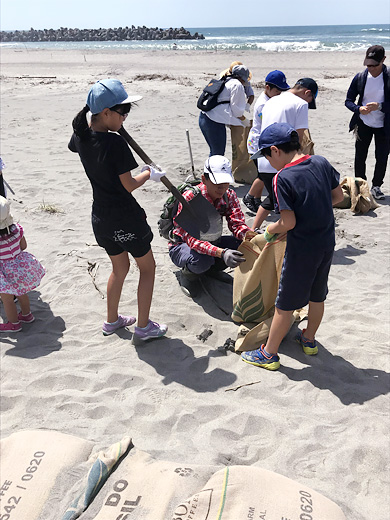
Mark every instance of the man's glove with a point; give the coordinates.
(155, 174)
(232, 257)
(246, 122)
(270, 237)
(248, 108)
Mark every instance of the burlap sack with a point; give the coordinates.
(30, 463)
(256, 283)
(243, 168)
(250, 492)
(307, 144)
(143, 488)
(357, 195)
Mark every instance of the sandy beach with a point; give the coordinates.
(323, 421)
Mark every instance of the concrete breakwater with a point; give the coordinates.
(118, 34)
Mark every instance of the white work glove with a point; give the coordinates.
(246, 122)
(232, 257)
(155, 174)
(248, 108)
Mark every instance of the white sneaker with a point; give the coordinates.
(377, 193)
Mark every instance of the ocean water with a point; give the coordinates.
(273, 39)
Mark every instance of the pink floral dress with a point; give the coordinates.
(20, 272)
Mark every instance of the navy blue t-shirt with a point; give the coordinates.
(304, 187)
(105, 156)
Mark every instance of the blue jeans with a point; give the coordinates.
(214, 133)
(182, 256)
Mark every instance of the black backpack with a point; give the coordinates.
(209, 97)
(165, 223)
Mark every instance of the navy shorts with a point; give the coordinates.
(118, 230)
(304, 278)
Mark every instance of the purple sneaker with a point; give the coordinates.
(151, 331)
(122, 321)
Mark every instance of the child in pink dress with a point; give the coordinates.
(20, 272)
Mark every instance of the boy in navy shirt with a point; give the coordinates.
(306, 187)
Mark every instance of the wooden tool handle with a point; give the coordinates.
(147, 160)
(138, 150)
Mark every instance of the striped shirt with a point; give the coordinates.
(10, 244)
(234, 217)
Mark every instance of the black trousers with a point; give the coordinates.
(382, 147)
(269, 201)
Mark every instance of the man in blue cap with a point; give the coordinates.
(275, 84)
(305, 187)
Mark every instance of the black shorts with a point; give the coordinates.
(304, 278)
(118, 230)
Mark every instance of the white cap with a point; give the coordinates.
(218, 169)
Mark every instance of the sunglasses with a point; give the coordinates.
(124, 115)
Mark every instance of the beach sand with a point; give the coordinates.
(323, 421)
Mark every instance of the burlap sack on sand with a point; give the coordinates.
(249, 492)
(30, 462)
(243, 168)
(256, 283)
(138, 487)
(143, 488)
(357, 195)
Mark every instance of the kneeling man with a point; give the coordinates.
(210, 254)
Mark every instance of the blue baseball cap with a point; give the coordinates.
(277, 133)
(107, 93)
(278, 79)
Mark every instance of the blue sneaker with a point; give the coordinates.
(309, 347)
(262, 359)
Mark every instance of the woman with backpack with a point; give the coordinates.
(228, 109)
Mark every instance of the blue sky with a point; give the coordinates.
(46, 14)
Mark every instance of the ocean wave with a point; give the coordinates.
(377, 29)
(214, 43)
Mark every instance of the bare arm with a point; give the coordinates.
(131, 183)
(286, 222)
(337, 195)
(23, 243)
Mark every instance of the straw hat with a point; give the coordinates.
(5, 216)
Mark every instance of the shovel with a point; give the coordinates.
(198, 217)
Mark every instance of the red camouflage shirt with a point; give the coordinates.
(232, 211)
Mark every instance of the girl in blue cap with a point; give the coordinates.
(118, 221)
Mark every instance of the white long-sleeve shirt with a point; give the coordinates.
(228, 113)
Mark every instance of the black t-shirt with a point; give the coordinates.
(105, 156)
(305, 187)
